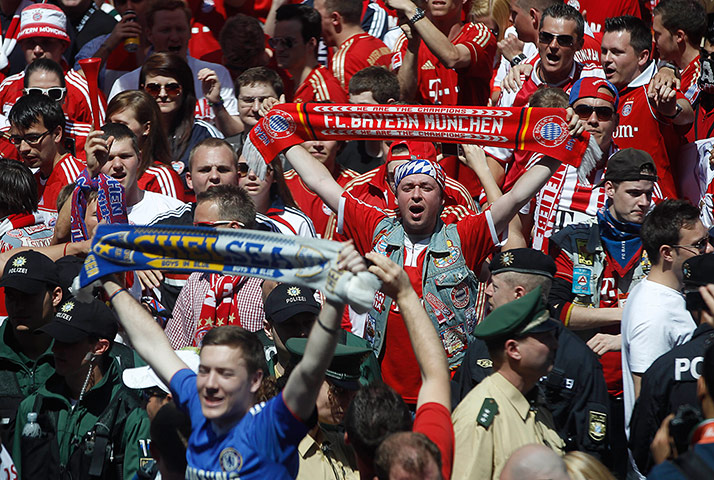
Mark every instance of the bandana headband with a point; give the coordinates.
(418, 165)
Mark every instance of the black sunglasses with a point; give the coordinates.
(285, 42)
(563, 40)
(603, 113)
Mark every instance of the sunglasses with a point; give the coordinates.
(55, 93)
(284, 42)
(217, 223)
(563, 40)
(603, 113)
(700, 246)
(31, 139)
(243, 169)
(172, 89)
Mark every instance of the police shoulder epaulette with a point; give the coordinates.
(488, 412)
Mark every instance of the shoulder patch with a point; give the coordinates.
(484, 362)
(597, 425)
(488, 412)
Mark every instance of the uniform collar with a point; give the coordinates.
(512, 394)
(538, 82)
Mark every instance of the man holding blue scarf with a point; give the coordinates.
(598, 264)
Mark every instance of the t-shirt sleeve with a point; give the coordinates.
(275, 430)
(185, 394)
(478, 238)
(481, 45)
(358, 220)
(647, 341)
(434, 420)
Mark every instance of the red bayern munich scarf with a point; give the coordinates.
(542, 130)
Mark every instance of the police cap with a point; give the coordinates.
(344, 370)
(523, 260)
(698, 271)
(523, 316)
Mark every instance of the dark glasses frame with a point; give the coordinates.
(172, 89)
(585, 111)
(546, 38)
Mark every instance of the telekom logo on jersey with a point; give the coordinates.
(625, 131)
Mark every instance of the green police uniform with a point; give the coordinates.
(73, 424)
(495, 418)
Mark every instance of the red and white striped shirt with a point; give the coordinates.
(163, 180)
(65, 172)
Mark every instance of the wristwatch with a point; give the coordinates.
(418, 15)
(518, 59)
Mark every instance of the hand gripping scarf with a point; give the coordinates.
(308, 262)
(111, 205)
(542, 130)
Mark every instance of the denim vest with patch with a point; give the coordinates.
(449, 288)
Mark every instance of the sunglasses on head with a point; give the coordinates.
(55, 93)
(172, 89)
(563, 40)
(285, 42)
(603, 113)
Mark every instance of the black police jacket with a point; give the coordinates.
(670, 381)
(575, 391)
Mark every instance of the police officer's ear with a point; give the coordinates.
(519, 291)
(101, 347)
(56, 295)
(512, 350)
(702, 390)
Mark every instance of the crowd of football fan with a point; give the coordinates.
(532, 323)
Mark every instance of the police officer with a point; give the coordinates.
(323, 452)
(32, 292)
(575, 388)
(671, 380)
(92, 425)
(502, 413)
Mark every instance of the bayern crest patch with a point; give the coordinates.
(230, 460)
(550, 131)
(280, 124)
(627, 109)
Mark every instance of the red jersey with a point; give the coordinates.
(76, 106)
(439, 85)
(690, 75)
(641, 127)
(590, 53)
(598, 11)
(357, 52)
(372, 188)
(703, 126)
(162, 179)
(308, 201)
(359, 221)
(320, 85)
(65, 172)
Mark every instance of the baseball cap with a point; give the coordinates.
(30, 272)
(415, 150)
(629, 164)
(43, 20)
(145, 377)
(344, 370)
(75, 321)
(594, 87)
(698, 271)
(523, 316)
(523, 260)
(286, 301)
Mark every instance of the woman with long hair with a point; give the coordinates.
(137, 110)
(168, 78)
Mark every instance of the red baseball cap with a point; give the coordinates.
(415, 149)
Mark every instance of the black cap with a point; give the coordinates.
(630, 164)
(344, 370)
(75, 321)
(68, 267)
(698, 271)
(523, 260)
(286, 301)
(30, 272)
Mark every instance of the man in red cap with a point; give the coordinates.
(43, 34)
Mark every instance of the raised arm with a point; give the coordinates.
(300, 393)
(428, 349)
(145, 335)
(315, 175)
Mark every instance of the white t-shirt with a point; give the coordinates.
(151, 206)
(130, 81)
(655, 320)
